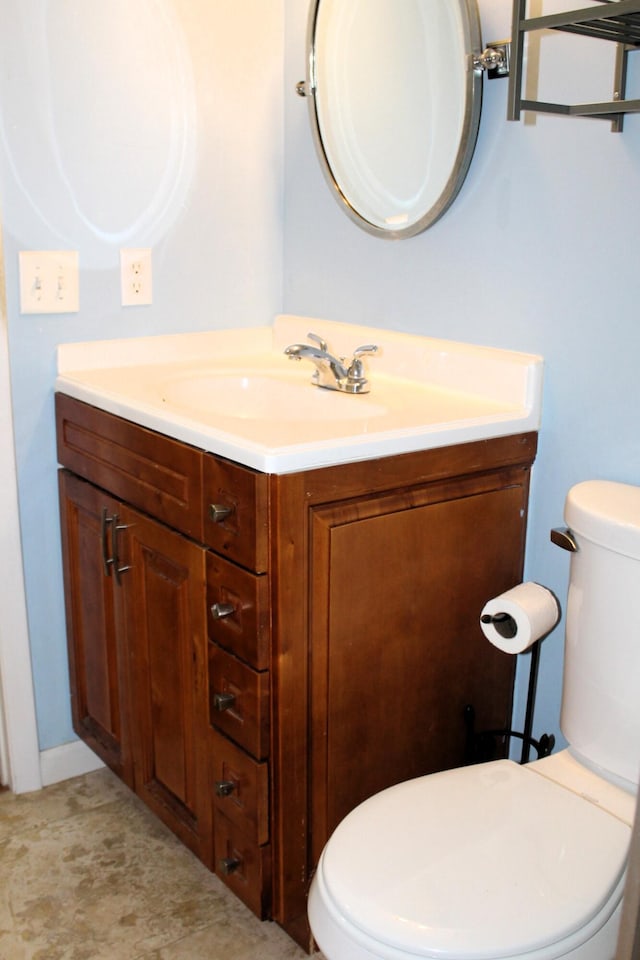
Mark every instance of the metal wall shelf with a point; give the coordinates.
(613, 20)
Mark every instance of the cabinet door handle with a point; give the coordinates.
(229, 865)
(117, 528)
(224, 788)
(107, 561)
(221, 610)
(223, 701)
(218, 512)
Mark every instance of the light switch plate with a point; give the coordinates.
(136, 277)
(49, 281)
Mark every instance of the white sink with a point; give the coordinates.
(273, 396)
(235, 393)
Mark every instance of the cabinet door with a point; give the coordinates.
(166, 629)
(97, 658)
(396, 648)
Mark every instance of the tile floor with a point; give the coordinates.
(87, 873)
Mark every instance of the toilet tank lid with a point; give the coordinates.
(606, 513)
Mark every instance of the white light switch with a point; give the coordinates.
(136, 277)
(49, 281)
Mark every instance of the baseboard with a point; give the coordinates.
(67, 761)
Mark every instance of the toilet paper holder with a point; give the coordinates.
(504, 623)
(481, 745)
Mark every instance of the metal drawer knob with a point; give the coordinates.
(221, 610)
(225, 788)
(218, 512)
(229, 865)
(223, 701)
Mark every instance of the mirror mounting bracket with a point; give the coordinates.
(495, 59)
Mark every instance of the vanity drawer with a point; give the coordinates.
(159, 475)
(239, 701)
(244, 866)
(236, 512)
(239, 615)
(240, 788)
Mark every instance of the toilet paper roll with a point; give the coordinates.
(514, 620)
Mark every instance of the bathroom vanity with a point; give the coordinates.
(255, 651)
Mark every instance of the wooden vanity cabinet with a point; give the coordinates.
(269, 658)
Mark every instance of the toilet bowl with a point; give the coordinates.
(490, 861)
(500, 860)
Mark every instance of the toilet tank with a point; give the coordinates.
(601, 688)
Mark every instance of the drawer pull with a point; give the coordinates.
(223, 701)
(221, 610)
(224, 788)
(229, 865)
(218, 512)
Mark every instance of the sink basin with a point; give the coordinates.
(234, 393)
(264, 397)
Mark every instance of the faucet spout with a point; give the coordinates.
(329, 369)
(331, 372)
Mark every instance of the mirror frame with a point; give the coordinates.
(469, 135)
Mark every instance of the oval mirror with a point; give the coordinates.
(394, 103)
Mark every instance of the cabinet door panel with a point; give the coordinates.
(397, 650)
(97, 658)
(167, 636)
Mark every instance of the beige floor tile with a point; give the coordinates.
(21, 813)
(243, 939)
(87, 873)
(102, 882)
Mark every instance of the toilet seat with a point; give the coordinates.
(482, 862)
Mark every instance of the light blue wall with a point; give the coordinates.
(539, 253)
(159, 124)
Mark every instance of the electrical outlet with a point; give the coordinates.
(136, 277)
(49, 281)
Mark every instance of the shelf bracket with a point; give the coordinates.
(618, 22)
(620, 83)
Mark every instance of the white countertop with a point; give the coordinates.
(234, 393)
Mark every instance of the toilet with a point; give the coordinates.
(500, 860)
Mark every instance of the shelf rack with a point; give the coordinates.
(613, 20)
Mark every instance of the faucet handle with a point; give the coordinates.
(365, 348)
(356, 370)
(355, 375)
(316, 339)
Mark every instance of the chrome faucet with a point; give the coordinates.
(331, 372)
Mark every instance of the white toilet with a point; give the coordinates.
(506, 861)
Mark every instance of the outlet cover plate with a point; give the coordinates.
(136, 277)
